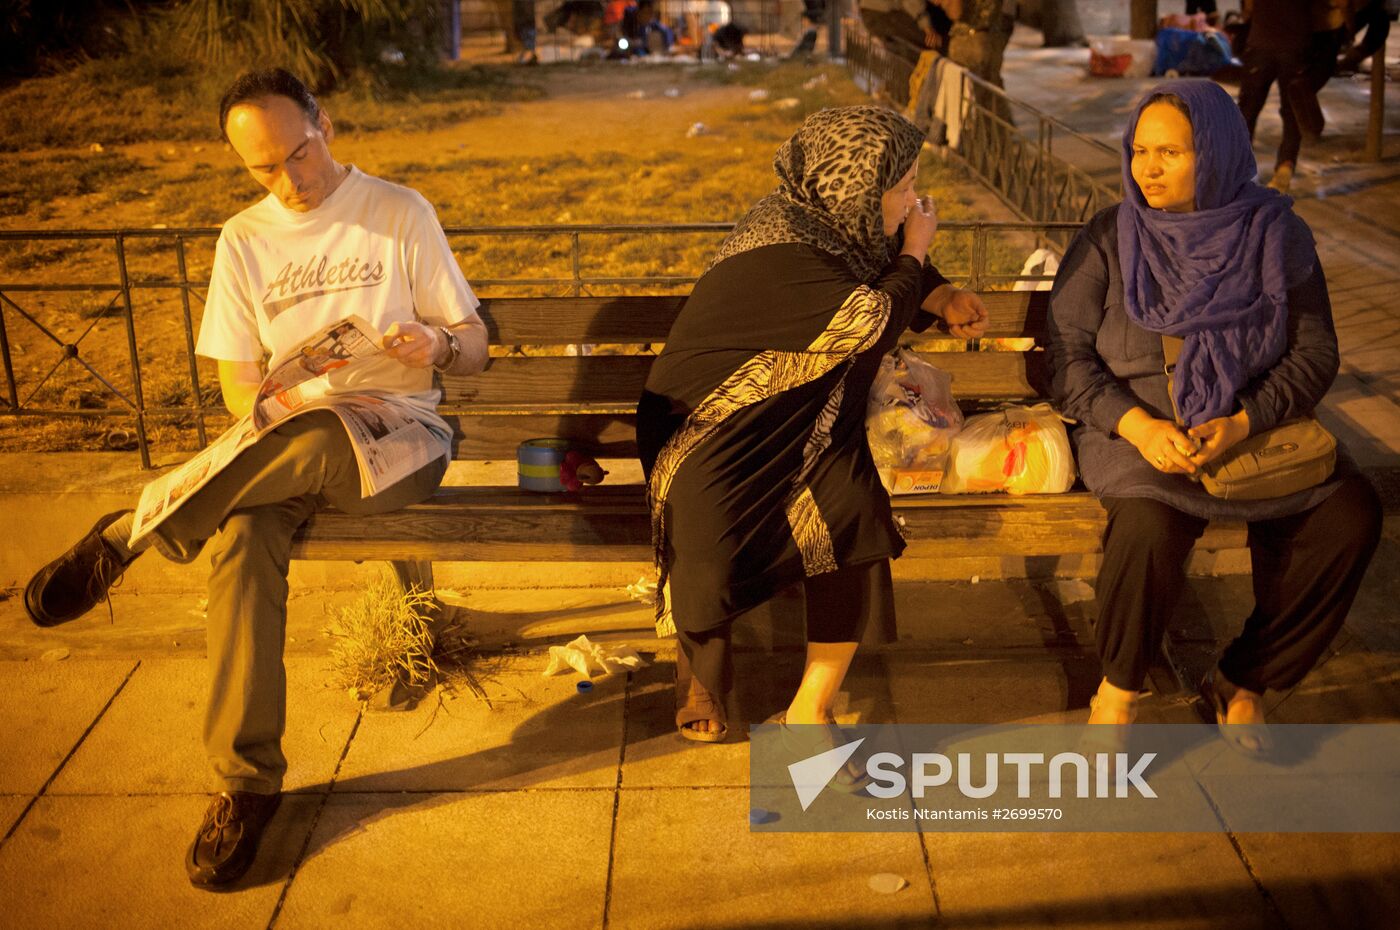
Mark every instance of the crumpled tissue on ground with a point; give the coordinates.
(582, 655)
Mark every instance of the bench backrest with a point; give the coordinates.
(538, 391)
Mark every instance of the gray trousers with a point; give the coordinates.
(248, 515)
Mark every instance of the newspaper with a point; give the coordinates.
(389, 443)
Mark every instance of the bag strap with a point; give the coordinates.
(1171, 351)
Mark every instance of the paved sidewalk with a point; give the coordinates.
(541, 807)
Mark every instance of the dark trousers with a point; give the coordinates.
(841, 607)
(1262, 67)
(1307, 570)
(1300, 75)
(523, 22)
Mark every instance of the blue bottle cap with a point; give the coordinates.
(585, 686)
(758, 815)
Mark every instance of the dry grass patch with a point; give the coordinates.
(386, 636)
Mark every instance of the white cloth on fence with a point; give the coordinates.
(950, 105)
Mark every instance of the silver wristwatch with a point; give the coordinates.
(454, 349)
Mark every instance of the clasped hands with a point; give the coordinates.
(1174, 451)
(962, 312)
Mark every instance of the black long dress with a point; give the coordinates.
(751, 428)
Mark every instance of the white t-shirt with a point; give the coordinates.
(372, 248)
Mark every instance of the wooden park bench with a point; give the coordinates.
(590, 400)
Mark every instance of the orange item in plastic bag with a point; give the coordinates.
(1019, 450)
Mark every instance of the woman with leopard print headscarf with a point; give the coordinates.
(752, 426)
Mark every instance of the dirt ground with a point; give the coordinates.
(561, 144)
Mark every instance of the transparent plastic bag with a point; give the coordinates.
(910, 422)
(1019, 450)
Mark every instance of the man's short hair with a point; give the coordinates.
(267, 82)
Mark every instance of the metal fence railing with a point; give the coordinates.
(148, 282)
(1034, 162)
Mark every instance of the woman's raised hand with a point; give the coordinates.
(919, 226)
(1161, 442)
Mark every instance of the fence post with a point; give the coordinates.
(1375, 127)
(1047, 147)
(833, 30)
(578, 278)
(189, 342)
(142, 442)
(11, 390)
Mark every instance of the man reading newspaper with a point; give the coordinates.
(328, 243)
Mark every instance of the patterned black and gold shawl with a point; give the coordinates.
(832, 174)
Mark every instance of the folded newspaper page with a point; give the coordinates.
(390, 444)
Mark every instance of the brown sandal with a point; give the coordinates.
(695, 703)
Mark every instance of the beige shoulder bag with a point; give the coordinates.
(1291, 457)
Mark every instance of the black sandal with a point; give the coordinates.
(1248, 739)
(811, 739)
(695, 703)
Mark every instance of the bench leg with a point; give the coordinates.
(413, 576)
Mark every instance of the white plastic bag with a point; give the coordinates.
(910, 422)
(1019, 450)
(1040, 262)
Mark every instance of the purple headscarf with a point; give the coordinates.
(1219, 276)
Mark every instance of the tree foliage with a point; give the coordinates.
(321, 41)
(34, 33)
(324, 42)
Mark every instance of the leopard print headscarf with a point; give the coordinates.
(831, 176)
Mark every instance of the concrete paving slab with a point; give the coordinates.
(495, 859)
(686, 858)
(1010, 614)
(47, 707)
(1328, 879)
(11, 806)
(1353, 685)
(1094, 880)
(553, 614)
(119, 862)
(150, 740)
(534, 732)
(170, 624)
(657, 756)
(950, 689)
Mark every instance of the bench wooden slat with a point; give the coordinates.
(558, 380)
(549, 321)
(611, 524)
(485, 436)
(572, 320)
(614, 379)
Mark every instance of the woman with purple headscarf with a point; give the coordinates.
(1200, 251)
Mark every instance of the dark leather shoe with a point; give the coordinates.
(227, 840)
(76, 581)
